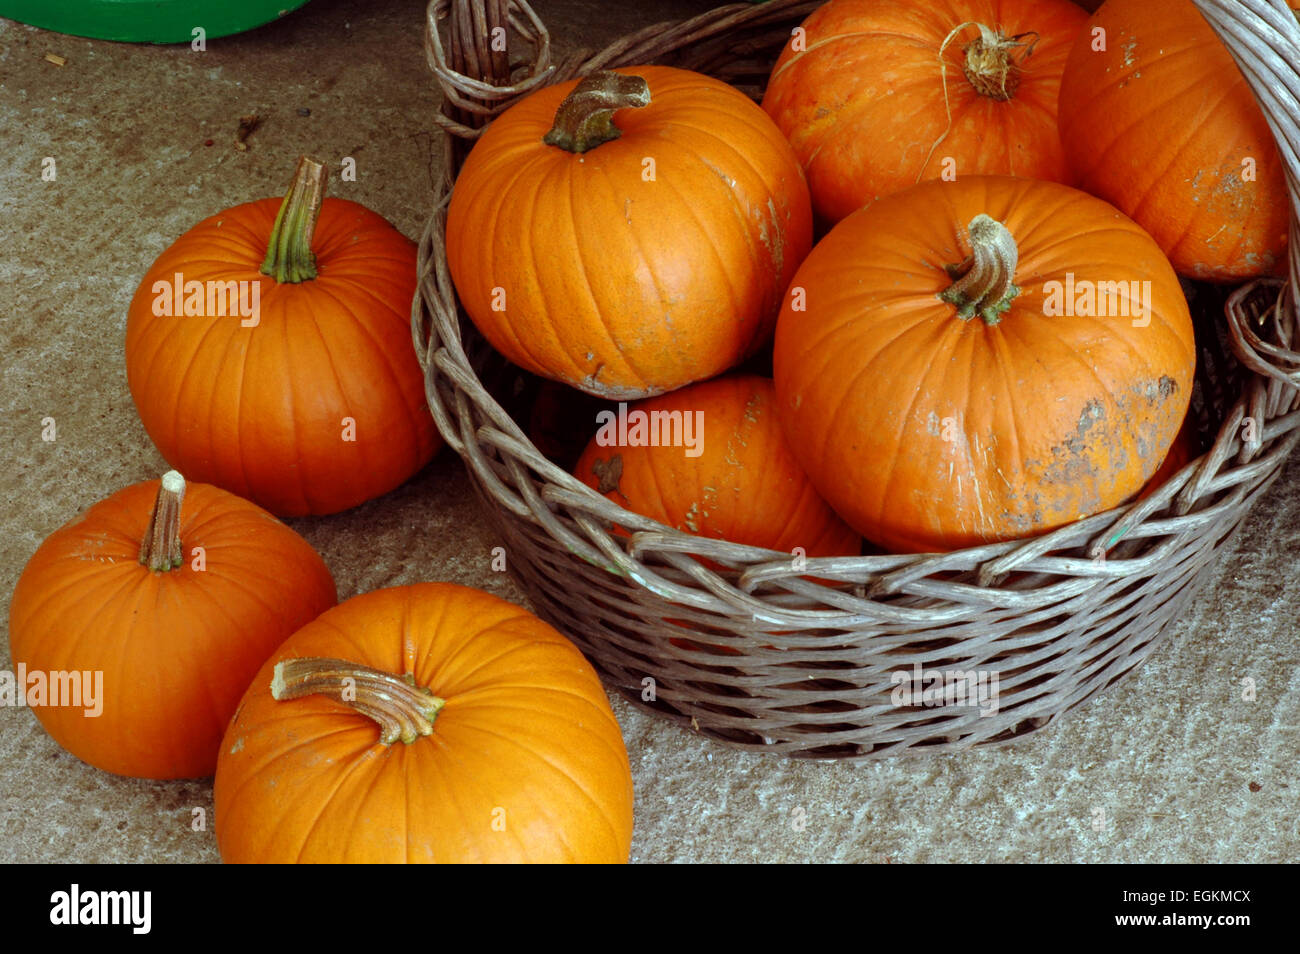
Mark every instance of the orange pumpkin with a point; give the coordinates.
(1158, 120)
(303, 395)
(419, 723)
(730, 476)
(631, 234)
(876, 95)
(1186, 448)
(167, 597)
(982, 360)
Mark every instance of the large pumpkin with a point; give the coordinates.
(1158, 120)
(967, 362)
(169, 597)
(306, 399)
(424, 723)
(876, 95)
(631, 234)
(1185, 449)
(719, 467)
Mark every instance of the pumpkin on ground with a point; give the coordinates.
(630, 234)
(877, 95)
(721, 469)
(268, 352)
(1157, 119)
(173, 595)
(980, 360)
(424, 723)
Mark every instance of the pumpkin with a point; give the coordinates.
(877, 95)
(718, 467)
(424, 723)
(981, 360)
(1185, 449)
(162, 601)
(1158, 120)
(629, 234)
(268, 352)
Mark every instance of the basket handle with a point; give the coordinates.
(474, 67)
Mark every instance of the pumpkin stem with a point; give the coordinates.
(289, 257)
(983, 282)
(993, 64)
(586, 117)
(402, 709)
(160, 550)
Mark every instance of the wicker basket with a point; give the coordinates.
(807, 668)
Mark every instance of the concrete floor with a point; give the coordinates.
(1183, 769)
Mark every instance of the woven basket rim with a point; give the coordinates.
(775, 660)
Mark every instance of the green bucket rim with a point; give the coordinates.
(147, 21)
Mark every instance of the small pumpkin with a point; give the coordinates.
(877, 95)
(169, 596)
(313, 401)
(1158, 120)
(424, 723)
(721, 469)
(629, 234)
(981, 360)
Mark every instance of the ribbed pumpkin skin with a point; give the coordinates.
(863, 102)
(260, 410)
(526, 728)
(1159, 124)
(619, 286)
(1051, 417)
(177, 648)
(746, 486)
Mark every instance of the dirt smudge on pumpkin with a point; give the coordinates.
(692, 518)
(1073, 460)
(608, 473)
(1161, 389)
(772, 236)
(592, 385)
(1129, 49)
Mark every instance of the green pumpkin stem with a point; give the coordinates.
(160, 550)
(402, 709)
(289, 257)
(984, 282)
(586, 117)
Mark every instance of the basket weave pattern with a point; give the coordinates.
(757, 654)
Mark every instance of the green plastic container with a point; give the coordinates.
(147, 21)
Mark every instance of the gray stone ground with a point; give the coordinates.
(1169, 754)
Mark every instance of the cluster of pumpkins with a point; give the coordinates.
(945, 366)
(939, 267)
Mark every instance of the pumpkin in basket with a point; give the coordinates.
(169, 596)
(711, 459)
(268, 351)
(1158, 120)
(975, 361)
(1186, 448)
(876, 95)
(424, 723)
(630, 234)
(732, 477)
